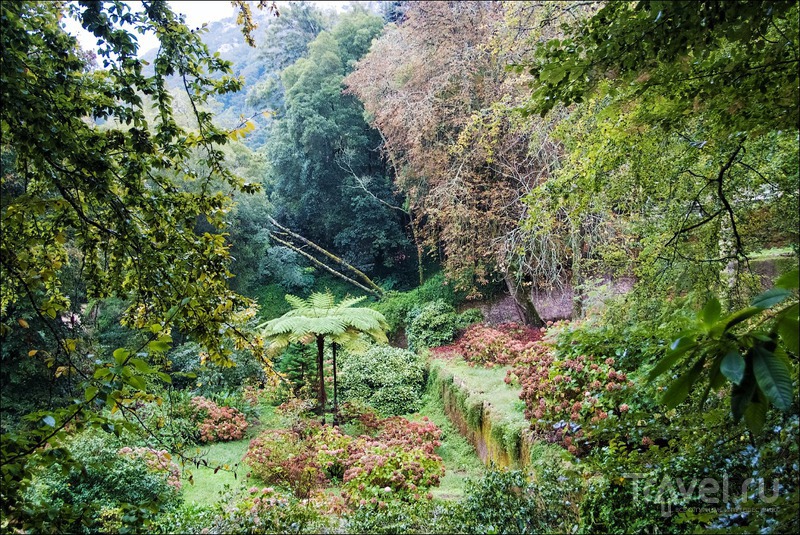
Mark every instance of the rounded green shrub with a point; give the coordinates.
(390, 379)
(431, 325)
(110, 491)
(503, 502)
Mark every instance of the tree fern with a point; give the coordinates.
(320, 317)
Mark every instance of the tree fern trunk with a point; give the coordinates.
(335, 388)
(321, 398)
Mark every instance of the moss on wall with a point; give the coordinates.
(498, 433)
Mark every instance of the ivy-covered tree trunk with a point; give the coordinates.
(727, 275)
(578, 240)
(418, 246)
(321, 397)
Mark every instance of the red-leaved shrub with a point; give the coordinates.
(216, 423)
(492, 345)
(398, 463)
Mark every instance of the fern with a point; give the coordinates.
(319, 318)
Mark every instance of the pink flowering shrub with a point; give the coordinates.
(216, 423)
(333, 451)
(158, 461)
(251, 395)
(487, 345)
(282, 457)
(296, 408)
(359, 415)
(397, 463)
(267, 510)
(379, 472)
(565, 397)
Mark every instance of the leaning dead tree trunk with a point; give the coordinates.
(369, 285)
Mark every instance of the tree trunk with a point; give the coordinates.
(527, 312)
(335, 388)
(418, 246)
(321, 398)
(377, 290)
(577, 274)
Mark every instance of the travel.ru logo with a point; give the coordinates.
(716, 494)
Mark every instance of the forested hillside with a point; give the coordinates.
(406, 267)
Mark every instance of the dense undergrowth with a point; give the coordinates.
(573, 431)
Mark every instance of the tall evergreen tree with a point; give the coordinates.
(322, 149)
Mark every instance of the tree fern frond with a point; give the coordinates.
(322, 301)
(277, 345)
(320, 315)
(348, 302)
(378, 335)
(296, 302)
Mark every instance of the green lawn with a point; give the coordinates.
(769, 253)
(207, 485)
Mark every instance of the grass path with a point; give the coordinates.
(460, 459)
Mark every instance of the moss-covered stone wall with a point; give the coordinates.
(499, 439)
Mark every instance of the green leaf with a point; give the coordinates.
(742, 394)
(680, 388)
(716, 377)
(739, 316)
(733, 366)
(136, 382)
(755, 416)
(790, 280)
(141, 366)
(773, 377)
(165, 377)
(158, 346)
(99, 373)
(678, 348)
(710, 313)
(788, 329)
(90, 392)
(770, 298)
(120, 355)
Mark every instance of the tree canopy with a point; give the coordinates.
(322, 146)
(91, 185)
